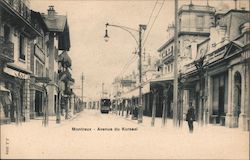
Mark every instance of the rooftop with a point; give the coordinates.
(56, 23)
(196, 8)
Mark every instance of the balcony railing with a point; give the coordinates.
(20, 7)
(6, 50)
(168, 56)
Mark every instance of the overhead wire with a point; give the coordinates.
(131, 61)
(151, 14)
(145, 40)
(127, 65)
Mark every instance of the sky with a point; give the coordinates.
(101, 61)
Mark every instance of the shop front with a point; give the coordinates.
(16, 81)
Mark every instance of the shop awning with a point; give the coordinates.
(163, 78)
(135, 92)
(18, 68)
(147, 86)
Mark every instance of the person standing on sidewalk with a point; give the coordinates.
(190, 118)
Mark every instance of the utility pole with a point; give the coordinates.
(82, 77)
(140, 114)
(127, 29)
(175, 94)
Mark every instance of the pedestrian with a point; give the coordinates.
(190, 118)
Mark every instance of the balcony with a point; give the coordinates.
(20, 7)
(18, 15)
(6, 51)
(168, 57)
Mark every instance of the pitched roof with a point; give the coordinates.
(56, 23)
(37, 16)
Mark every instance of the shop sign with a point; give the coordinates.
(15, 73)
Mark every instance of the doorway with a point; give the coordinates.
(38, 103)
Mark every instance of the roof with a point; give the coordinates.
(165, 44)
(196, 8)
(206, 34)
(236, 11)
(38, 16)
(56, 23)
(238, 43)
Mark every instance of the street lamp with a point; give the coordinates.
(127, 29)
(106, 37)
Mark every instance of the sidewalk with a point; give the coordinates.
(38, 122)
(169, 125)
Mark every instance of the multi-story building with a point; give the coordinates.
(218, 78)
(16, 33)
(127, 88)
(58, 42)
(194, 23)
(30, 46)
(66, 82)
(39, 66)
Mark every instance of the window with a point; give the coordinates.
(21, 47)
(166, 69)
(39, 69)
(200, 22)
(6, 33)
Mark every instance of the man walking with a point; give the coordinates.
(190, 118)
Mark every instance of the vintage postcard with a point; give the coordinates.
(124, 79)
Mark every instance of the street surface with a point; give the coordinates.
(93, 135)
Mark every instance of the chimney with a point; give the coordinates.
(170, 30)
(51, 11)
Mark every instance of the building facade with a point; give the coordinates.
(30, 46)
(220, 72)
(17, 33)
(194, 22)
